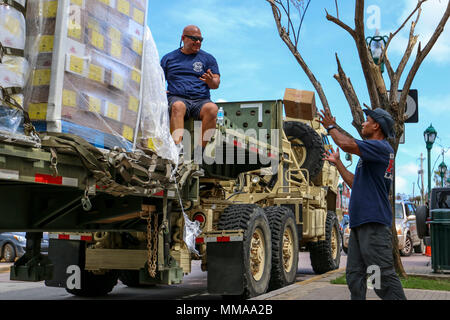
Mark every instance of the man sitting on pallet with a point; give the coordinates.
(190, 74)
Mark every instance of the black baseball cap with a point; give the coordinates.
(384, 119)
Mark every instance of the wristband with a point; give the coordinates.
(330, 127)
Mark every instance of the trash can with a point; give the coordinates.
(440, 239)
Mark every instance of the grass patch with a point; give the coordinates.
(412, 283)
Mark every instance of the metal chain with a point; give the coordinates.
(152, 244)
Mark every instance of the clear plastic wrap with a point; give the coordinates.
(14, 69)
(155, 122)
(87, 68)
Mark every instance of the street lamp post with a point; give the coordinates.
(442, 170)
(376, 45)
(429, 135)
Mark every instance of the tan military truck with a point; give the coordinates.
(255, 200)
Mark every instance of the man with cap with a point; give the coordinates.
(370, 243)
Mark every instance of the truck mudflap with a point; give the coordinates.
(224, 250)
(67, 256)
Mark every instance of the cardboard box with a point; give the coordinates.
(299, 104)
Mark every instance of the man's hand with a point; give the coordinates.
(326, 118)
(209, 78)
(331, 156)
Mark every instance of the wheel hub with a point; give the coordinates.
(288, 254)
(257, 254)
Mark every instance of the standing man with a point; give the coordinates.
(190, 73)
(370, 243)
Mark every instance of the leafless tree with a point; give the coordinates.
(288, 15)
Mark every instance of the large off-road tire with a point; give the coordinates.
(408, 249)
(307, 145)
(94, 285)
(9, 253)
(421, 218)
(325, 255)
(257, 245)
(284, 246)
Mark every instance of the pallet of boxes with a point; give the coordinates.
(14, 67)
(87, 58)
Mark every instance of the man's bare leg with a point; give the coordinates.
(208, 116)
(177, 121)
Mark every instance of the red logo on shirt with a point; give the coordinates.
(389, 174)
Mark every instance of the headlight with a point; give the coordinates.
(20, 238)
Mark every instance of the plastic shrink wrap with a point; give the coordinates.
(13, 65)
(87, 70)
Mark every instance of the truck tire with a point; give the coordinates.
(325, 255)
(421, 218)
(284, 246)
(307, 145)
(257, 265)
(94, 285)
(9, 252)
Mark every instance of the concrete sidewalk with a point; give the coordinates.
(320, 287)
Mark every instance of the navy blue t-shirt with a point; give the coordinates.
(183, 71)
(369, 201)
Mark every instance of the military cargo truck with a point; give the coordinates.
(115, 214)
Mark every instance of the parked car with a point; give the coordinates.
(405, 221)
(12, 245)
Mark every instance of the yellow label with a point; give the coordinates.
(133, 104)
(46, 43)
(98, 40)
(136, 76)
(116, 49)
(112, 111)
(12, 25)
(69, 98)
(117, 81)
(94, 25)
(41, 77)
(137, 46)
(114, 34)
(74, 29)
(77, 2)
(76, 64)
(123, 6)
(96, 73)
(50, 9)
(95, 105)
(150, 144)
(128, 133)
(107, 2)
(138, 16)
(37, 111)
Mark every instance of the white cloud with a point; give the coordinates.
(437, 105)
(401, 185)
(432, 12)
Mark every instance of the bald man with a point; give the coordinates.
(191, 73)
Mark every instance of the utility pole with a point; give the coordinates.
(422, 191)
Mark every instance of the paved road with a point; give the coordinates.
(194, 286)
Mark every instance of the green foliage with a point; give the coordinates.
(412, 283)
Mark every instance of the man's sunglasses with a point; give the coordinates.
(194, 38)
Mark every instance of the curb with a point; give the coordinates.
(329, 274)
(4, 269)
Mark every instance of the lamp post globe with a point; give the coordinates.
(442, 170)
(429, 136)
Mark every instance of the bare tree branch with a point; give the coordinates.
(421, 54)
(341, 24)
(392, 35)
(287, 40)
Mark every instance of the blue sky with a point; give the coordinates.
(256, 65)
